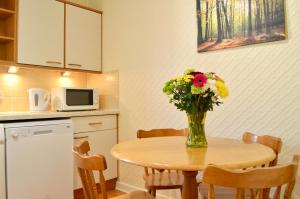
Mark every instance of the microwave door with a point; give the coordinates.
(77, 97)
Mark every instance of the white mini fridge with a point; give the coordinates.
(39, 160)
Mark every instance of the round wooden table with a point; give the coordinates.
(171, 153)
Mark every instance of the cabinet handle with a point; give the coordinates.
(75, 65)
(53, 62)
(82, 137)
(95, 123)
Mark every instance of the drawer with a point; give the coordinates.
(94, 123)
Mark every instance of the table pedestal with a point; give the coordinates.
(190, 188)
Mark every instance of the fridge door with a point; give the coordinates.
(2, 163)
(39, 162)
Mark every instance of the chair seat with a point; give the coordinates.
(221, 192)
(135, 195)
(165, 180)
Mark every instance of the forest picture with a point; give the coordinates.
(232, 23)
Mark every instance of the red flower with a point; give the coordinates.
(200, 80)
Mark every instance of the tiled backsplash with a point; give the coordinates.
(108, 85)
(14, 87)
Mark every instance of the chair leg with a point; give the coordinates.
(153, 192)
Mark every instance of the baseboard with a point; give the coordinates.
(124, 187)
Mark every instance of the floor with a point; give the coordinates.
(110, 194)
(114, 193)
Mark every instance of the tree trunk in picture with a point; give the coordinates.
(267, 16)
(210, 21)
(258, 18)
(240, 21)
(244, 20)
(222, 22)
(276, 13)
(200, 37)
(272, 14)
(249, 18)
(219, 21)
(206, 22)
(228, 28)
(232, 16)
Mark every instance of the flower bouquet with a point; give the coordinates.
(196, 93)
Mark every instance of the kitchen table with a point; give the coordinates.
(172, 153)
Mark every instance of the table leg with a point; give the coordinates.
(190, 189)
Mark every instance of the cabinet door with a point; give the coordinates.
(41, 33)
(83, 39)
(100, 142)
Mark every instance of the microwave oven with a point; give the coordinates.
(74, 99)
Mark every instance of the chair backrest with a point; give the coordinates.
(86, 165)
(274, 143)
(256, 178)
(82, 148)
(160, 133)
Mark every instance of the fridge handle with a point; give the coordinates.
(42, 132)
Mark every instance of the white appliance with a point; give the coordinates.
(39, 160)
(72, 99)
(38, 99)
(2, 164)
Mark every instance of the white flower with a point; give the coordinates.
(210, 84)
(214, 99)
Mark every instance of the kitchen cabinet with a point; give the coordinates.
(41, 33)
(83, 39)
(101, 132)
(59, 34)
(7, 30)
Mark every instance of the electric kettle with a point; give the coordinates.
(38, 99)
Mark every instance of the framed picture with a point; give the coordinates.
(233, 23)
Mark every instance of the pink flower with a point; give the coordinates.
(200, 80)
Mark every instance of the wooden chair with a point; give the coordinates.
(256, 178)
(274, 143)
(87, 164)
(161, 179)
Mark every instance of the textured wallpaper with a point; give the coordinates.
(151, 41)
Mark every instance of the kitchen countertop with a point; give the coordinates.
(13, 116)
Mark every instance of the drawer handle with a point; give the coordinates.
(53, 62)
(42, 132)
(95, 123)
(75, 65)
(82, 137)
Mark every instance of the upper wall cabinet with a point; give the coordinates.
(41, 33)
(7, 30)
(83, 39)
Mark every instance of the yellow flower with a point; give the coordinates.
(188, 78)
(222, 89)
(179, 78)
(219, 78)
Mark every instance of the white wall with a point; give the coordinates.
(151, 41)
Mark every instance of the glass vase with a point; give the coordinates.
(196, 130)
